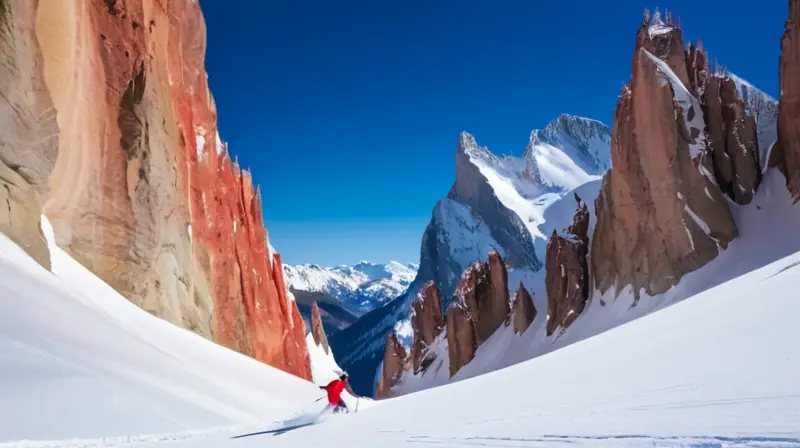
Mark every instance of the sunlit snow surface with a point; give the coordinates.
(718, 369)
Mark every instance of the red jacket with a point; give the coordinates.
(334, 389)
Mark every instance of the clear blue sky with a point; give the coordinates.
(348, 112)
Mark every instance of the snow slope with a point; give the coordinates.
(78, 361)
(716, 370)
(359, 288)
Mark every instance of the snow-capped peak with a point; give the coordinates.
(578, 130)
(569, 150)
(360, 287)
(470, 147)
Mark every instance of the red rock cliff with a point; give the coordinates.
(660, 213)
(789, 109)
(131, 171)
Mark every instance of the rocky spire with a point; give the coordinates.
(660, 212)
(524, 310)
(479, 307)
(427, 323)
(732, 139)
(394, 364)
(317, 330)
(567, 276)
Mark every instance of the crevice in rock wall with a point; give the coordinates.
(130, 119)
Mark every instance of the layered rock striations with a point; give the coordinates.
(567, 275)
(788, 154)
(112, 136)
(660, 212)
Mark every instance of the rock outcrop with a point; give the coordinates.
(394, 365)
(29, 136)
(732, 128)
(567, 275)
(462, 336)
(660, 212)
(109, 125)
(787, 155)
(427, 323)
(479, 307)
(317, 330)
(732, 139)
(524, 310)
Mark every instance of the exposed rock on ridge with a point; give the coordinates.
(524, 310)
(472, 189)
(479, 307)
(788, 154)
(317, 330)
(112, 128)
(567, 275)
(732, 139)
(660, 214)
(394, 365)
(427, 323)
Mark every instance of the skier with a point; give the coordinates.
(334, 389)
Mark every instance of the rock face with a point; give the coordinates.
(462, 336)
(788, 156)
(524, 310)
(317, 330)
(732, 139)
(732, 126)
(567, 275)
(660, 213)
(394, 364)
(479, 307)
(28, 140)
(109, 125)
(427, 323)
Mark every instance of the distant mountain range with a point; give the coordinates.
(344, 293)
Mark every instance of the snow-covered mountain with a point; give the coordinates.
(346, 292)
(619, 236)
(496, 202)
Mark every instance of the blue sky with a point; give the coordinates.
(347, 112)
